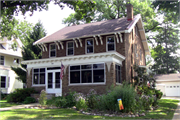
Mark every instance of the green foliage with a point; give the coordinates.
(158, 94)
(70, 99)
(81, 104)
(43, 98)
(165, 52)
(109, 101)
(2, 95)
(19, 95)
(29, 100)
(91, 99)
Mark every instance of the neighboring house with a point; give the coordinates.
(10, 55)
(95, 55)
(169, 84)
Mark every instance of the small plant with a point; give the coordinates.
(60, 102)
(70, 98)
(91, 99)
(43, 98)
(80, 101)
(29, 100)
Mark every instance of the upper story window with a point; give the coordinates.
(3, 81)
(16, 60)
(52, 50)
(1, 60)
(89, 46)
(118, 74)
(89, 74)
(39, 76)
(110, 43)
(70, 48)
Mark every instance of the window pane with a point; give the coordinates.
(36, 70)
(70, 44)
(75, 77)
(42, 78)
(110, 40)
(70, 52)
(53, 54)
(98, 66)
(86, 76)
(90, 49)
(50, 80)
(89, 42)
(110, 47)
(36, 76)
(57, 80)
(53, 47)
(75, 67)
(98, 75)
(2, 57)
(3, 81)
(85, 66)
(42, 70)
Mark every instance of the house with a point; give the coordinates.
(10, 55)
(169, 84)
(95, 55)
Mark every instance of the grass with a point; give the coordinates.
(165, 111)
(4, 103)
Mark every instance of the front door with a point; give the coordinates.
(54, 83)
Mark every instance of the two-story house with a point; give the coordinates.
(95, 55)
(10, 55)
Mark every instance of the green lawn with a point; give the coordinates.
(3, 104)
(165, 111)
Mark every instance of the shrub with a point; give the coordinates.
(109, 101)
(70, 98)
(158, 94)
(80, 101)
(3, 95)
(29, 100)
(91, 99)
(43, 98)
(60, 102)
(19, 95)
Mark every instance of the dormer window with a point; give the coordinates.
(89, 46)
(110, 43)
(52, 50)
(70, 48)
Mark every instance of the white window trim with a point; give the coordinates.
(87, 46)
(114, 43)
(3, 60)
(50, 50)
(67, 48)
(101, 83)
(38, 85)
(5, 82)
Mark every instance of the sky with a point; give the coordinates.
(51, 19)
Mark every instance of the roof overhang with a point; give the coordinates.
(78, 59)
(11, 53)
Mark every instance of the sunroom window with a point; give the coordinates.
(1, 60)
(118, 74)
(3, 81)
(39, 76)
(89, 74)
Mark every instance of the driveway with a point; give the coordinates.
(177, 112)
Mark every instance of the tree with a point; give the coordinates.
(113, 9)
(29, 51)
(8, 8)
(165, 53)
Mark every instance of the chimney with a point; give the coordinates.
(129, 12)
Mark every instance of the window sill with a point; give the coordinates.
(91, 84)
(119, 84)
(38, 85)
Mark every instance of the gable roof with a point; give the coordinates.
(121, 25)
(167, 77)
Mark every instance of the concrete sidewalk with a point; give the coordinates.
(18, 106)
(177, 112)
